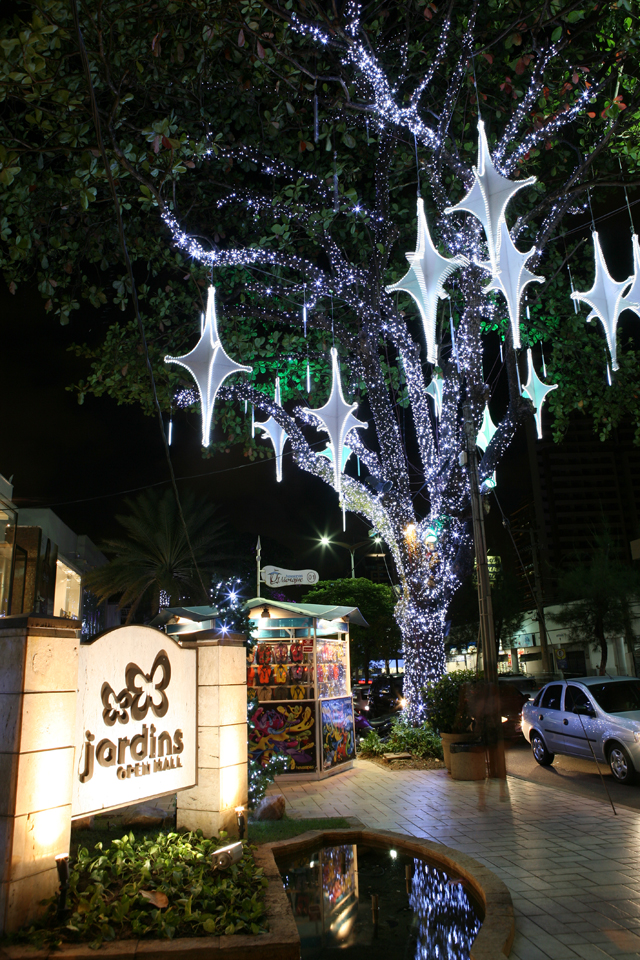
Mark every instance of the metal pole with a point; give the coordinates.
(489, 654)
(258, 555)
(353, 566)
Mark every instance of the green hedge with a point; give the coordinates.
(106, 900)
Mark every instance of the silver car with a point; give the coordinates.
(591, 716)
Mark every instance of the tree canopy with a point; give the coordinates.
(376, 601)
(179, 86)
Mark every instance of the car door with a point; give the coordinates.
(548, 717)
(575, 728)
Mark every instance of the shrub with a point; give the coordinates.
(260, 778)
(420, 741)
(159, 886)
(372, 746)
(446, 701)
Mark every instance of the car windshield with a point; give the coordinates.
(617, 696)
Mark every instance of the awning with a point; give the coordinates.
(321, 611)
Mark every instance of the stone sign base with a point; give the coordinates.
(39, 657)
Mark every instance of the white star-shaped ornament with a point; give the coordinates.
(328, 453)
(511, 277)
(435, 390)
(488, 197)
(537, 392)
(425, 279)
(487, 430)
(337, 419)
(277, 434)
(209, 365)
(631, 300)
(605, 298)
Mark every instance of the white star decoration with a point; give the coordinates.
(605, 298)
(276, 433)
(337, 419)
(511, 277)
(328, 453)
(488, 197)
(424, 281)
(209, 365)
(435, 390)
(631, 300)
(537, 392)
(486, 431)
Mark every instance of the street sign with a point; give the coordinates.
(278, 577)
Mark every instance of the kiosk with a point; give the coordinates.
(299, 676)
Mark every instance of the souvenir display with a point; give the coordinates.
(303, 660)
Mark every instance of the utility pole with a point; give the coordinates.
(497, 766)
(258, 555)
(544, 645)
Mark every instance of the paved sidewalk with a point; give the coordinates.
(573, 869)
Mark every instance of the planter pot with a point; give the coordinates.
(447, 739)
(468, 761)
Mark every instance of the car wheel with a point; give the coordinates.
(540, 753)
(620, 763)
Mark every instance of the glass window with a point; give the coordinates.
(67, 592)
(575, 697)
(617, 696)
(552, 696)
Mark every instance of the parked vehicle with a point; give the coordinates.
(512, 700)
(580, 718)
(360, 694)
(386, 695)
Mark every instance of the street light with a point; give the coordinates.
(351, 547)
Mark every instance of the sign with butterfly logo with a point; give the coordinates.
(135, 719)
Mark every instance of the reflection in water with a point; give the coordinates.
(447, 923)
(378, 905)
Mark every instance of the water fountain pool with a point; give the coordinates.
(366, 903)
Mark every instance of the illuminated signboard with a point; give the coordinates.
(135, 719)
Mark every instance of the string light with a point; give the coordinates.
(430, 571)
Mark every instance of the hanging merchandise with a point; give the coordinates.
(209, 365)
(605, 298)
(435, 391)
(337, 419)
(487, 431)
(277, 434)
(511, 277)
(425, 279)
(537, 391)
(488, 197)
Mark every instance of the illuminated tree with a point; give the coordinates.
(291, 140)
(472, 198)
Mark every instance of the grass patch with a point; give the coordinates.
(159, 885)
(269, 831)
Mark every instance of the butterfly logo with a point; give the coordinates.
(143, 692)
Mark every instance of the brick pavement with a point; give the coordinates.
(572, 867)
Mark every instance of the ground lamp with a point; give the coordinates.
(62, 866)
(240, 820)
(225, 857)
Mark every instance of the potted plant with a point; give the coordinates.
(448, 709)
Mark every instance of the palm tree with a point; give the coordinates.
(154, 556)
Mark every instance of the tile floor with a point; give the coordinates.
(573, 868)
